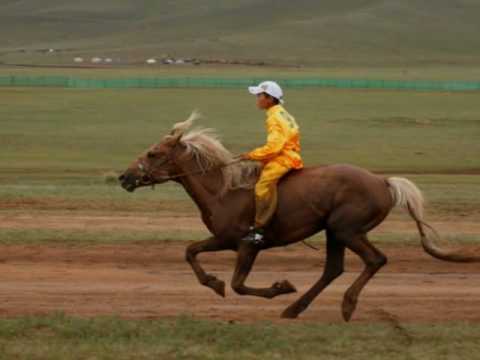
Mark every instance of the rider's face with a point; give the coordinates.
(264, 101)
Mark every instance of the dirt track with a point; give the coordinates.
(154, 281)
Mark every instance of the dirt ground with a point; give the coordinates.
(154, 281)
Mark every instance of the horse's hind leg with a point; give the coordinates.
(333, 269)
(210, 244)
(373, 260)
(245, 259)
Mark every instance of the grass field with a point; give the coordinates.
(76, 131)
(61, 337)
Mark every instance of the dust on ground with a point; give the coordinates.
(154, 281)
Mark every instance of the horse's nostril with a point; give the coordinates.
(121, 177)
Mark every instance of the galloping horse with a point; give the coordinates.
(345, 201)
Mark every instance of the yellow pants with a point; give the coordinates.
(266, 192)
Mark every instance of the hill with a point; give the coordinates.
(366, 32)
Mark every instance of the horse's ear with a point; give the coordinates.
(173, 138)
(181, 127)
(175, 131)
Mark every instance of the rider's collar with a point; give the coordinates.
(273, 109)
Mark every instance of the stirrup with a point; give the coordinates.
(254, 236)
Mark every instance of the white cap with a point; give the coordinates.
(269, 87)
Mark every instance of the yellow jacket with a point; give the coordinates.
(283, 140)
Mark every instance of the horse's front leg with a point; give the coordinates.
(210, 244)
(247, 254)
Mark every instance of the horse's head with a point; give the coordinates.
(157, 165)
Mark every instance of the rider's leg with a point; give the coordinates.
(266, 198)
(266, 192)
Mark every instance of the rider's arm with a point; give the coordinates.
(276, 140)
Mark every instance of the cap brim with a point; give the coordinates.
(255, 90)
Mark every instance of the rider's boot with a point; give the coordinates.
(255, 236)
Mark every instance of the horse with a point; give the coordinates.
(345, 201)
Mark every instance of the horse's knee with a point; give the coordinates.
(379, 261)
(205, 280)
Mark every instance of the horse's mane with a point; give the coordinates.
(204, 145)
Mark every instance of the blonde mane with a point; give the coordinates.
(204, 145)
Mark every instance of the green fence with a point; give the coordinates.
(154, 83)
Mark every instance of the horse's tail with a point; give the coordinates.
(407, 195)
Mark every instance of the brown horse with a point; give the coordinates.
(345, 201)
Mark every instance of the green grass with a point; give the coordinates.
(447, 195)
(88, 237)
(60, 337)
(77, 237)
(370, 32)
(75, 133)
(61, 194)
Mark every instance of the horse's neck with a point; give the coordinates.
(218, 208)
(202, 188)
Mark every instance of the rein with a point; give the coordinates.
(201, 171)
(142, 168)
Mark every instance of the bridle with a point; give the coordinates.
(145, 171)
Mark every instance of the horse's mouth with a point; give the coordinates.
(131, 182)
(131, 186)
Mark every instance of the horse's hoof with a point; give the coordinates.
(218, 286)
(289, 313)
(348, 307)
(284, 287)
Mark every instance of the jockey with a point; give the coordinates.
(279, 155)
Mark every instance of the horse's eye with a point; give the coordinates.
(150, 154)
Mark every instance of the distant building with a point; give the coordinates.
(108, 60)
(78, 60)
(96, 60)
(151, 61)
